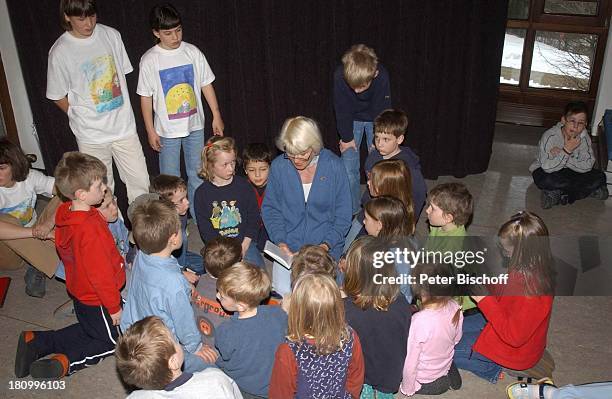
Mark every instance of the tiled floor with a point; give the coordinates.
(579, 335)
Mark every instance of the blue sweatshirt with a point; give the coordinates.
(247, 347)
(326, 217)
(350, 106)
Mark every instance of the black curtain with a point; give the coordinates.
(273, 59)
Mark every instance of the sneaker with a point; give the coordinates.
(64, 310)
(26, 354)
(601, 193)
(36, 282)
(54, 367)
(550, 198)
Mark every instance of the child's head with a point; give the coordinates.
(312, 259)
(524, 239)
(81, 177)
(360, 67)
(257, 159)
(242, 287)
(386, 217)
(172, 188)
(392, 177)
(14, 165)
(435, 293)
(319, 317)
(389, 130)
(363, 260)
(219, 160)
(221, 253)
(147, 354)
(449, 203)
(575, 118)
(165, 22)
(156, 226)
(78, 17)
(108, 208)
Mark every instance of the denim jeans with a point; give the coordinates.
(193, 363)
(466, 358)
(254, 256)
(350, 158)
(356, 227)
(170, 161)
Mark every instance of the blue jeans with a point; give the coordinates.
(350, 158)
(170, 161)
(467, 359)
(356, 227)
(194, 363)
(254, 256)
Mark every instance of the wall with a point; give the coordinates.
(28, 137)
(604, 93)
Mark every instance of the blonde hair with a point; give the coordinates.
(360, 64)
(209, 154)
(78, 171)
(392, 177)
(299, 134)
(312, 259)
(153, 223)
(245, 283)
(143, 353)
(318, 316)
(359, 282)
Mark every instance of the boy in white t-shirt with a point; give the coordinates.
(86, 80)
(172, 73)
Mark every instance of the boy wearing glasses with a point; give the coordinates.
(563, 169)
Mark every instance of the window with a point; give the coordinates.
(553, 53)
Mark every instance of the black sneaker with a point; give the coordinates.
(36, 282)
(54, 367)
(26, 354)
(601, 193)
(550, 198)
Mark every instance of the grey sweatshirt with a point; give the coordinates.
(581, 160)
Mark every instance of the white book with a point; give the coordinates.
(281, 269)
(278, 254)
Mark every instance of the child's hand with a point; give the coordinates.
(571, 143)
(555, 151)
(342, 265)
(191, 277)
(154, 141)
(116, 318)
(218, 126)
(208, 354)
(43, 231)
(345, 146)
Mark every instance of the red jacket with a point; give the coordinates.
(94, 267)
(515, 335)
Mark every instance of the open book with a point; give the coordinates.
(281, 274)
(278, 254)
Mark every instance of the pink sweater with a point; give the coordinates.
(431, 346)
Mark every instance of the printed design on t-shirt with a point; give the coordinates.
(225, 217)
(177, 83)
(205, 306)
(23, 211)
(104, 85)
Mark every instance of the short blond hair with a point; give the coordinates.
(209, 154)
(299, 134)
(245, 283)
(360, 65)
(143, 353)
(153, 223)
(78, 171)
(317, 311)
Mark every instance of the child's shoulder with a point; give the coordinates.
(410, 158)
(272, 312)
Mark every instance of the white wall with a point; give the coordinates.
(604, 93)
(28, 137)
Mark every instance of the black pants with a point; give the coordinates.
(442, 384)
(85, 343)
(574, 184)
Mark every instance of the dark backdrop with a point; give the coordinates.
(274, 59)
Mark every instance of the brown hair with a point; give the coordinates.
(167, 185)
(359, 65)
(453, 199)
(359, 282)
(78, 171)
(245, 283)
(12, 155)
(256, 152)
(439, 293)
(531, 256)
(153, 223)
(391, 213)
(392, 177)
(321, 316)
(209, 154)
(75, 8)
(391, 121)
(220, 253)
(312, 259)
(143, 353)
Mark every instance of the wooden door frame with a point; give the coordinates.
(7, 107)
